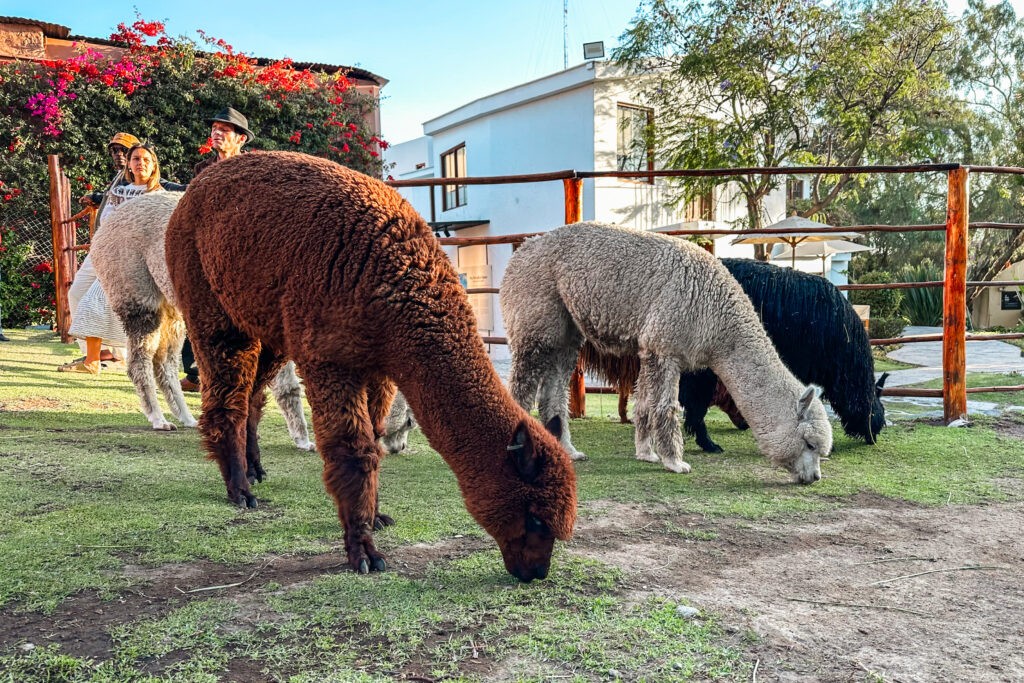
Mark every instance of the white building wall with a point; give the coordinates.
(563, 121)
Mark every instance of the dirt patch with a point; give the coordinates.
(32, 403)
(824, 596)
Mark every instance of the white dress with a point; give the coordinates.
(92, 315)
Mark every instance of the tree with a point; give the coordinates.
(988, 73)
(160, 89)
(788, 82)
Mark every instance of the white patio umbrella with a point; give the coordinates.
(822, 249)
(794, 238)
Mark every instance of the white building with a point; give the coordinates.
(582, 118)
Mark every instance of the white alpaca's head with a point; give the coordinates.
(800, 445)
(400, 422)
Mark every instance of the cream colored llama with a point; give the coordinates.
(676, 306)
(129, 258)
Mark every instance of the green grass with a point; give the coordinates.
(88, 488)
(885, 364)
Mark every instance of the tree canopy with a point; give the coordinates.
(790, 82)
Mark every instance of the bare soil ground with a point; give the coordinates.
(821, 598)
(824, 595)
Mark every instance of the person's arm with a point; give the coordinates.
(172, 187)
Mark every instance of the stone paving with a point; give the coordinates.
(982, 356)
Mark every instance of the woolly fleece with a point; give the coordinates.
(280, 254)
(675, 306)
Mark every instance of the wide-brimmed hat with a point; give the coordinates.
(235, 118)
(126, 140)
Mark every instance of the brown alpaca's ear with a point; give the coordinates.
(523, 454)
(554, 427)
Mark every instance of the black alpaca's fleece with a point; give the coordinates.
(818, 335)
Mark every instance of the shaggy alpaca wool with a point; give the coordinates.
(128, 255)
(676, 307)
(278, 254)
(818, 335)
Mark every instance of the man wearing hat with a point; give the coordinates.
(229, 130)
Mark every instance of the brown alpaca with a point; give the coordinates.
(279, 254)
(621, 373)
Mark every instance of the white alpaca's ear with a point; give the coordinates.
(805, 400)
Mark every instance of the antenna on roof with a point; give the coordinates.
(565, 34)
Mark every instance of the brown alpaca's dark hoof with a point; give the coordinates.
(377, 564)
(380, 521)
(244, 499)
(256, 474)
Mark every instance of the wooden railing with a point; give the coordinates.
(954, 337)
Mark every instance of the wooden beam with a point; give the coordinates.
(64, 264)
(574, 214)
(954, 299)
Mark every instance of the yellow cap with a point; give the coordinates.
(124, 139)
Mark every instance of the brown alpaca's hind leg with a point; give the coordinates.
(624, 392)
(379, 396)
(227, 388)
(266, 368)
(347, 443)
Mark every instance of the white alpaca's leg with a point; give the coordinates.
(525, 377)
(165, 367)
(657, 413)
(553, 398)
(141, 351)
(287, 391)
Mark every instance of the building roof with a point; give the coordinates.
(64, 33)
(49, 30)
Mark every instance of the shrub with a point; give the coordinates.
(160, 89)
(885, 303)
(27, 285)
(922, 306)
(886, 328)
(886, 320)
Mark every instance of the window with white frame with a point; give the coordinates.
(453, 165)
(634, 150)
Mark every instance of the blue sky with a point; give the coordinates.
(437, 55)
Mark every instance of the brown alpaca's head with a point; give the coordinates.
(528, 500)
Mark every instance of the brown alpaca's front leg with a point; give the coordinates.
(346, 440)
(268, 365)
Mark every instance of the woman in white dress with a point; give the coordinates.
(93, 319)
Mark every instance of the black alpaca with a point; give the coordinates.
(818, 336)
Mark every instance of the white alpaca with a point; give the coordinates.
(128, 254)
(676, 306)
(129, 258)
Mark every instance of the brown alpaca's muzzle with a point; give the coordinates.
(528, 557)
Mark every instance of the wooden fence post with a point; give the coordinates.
(954, 299)
(64, 263)
(574, 214)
